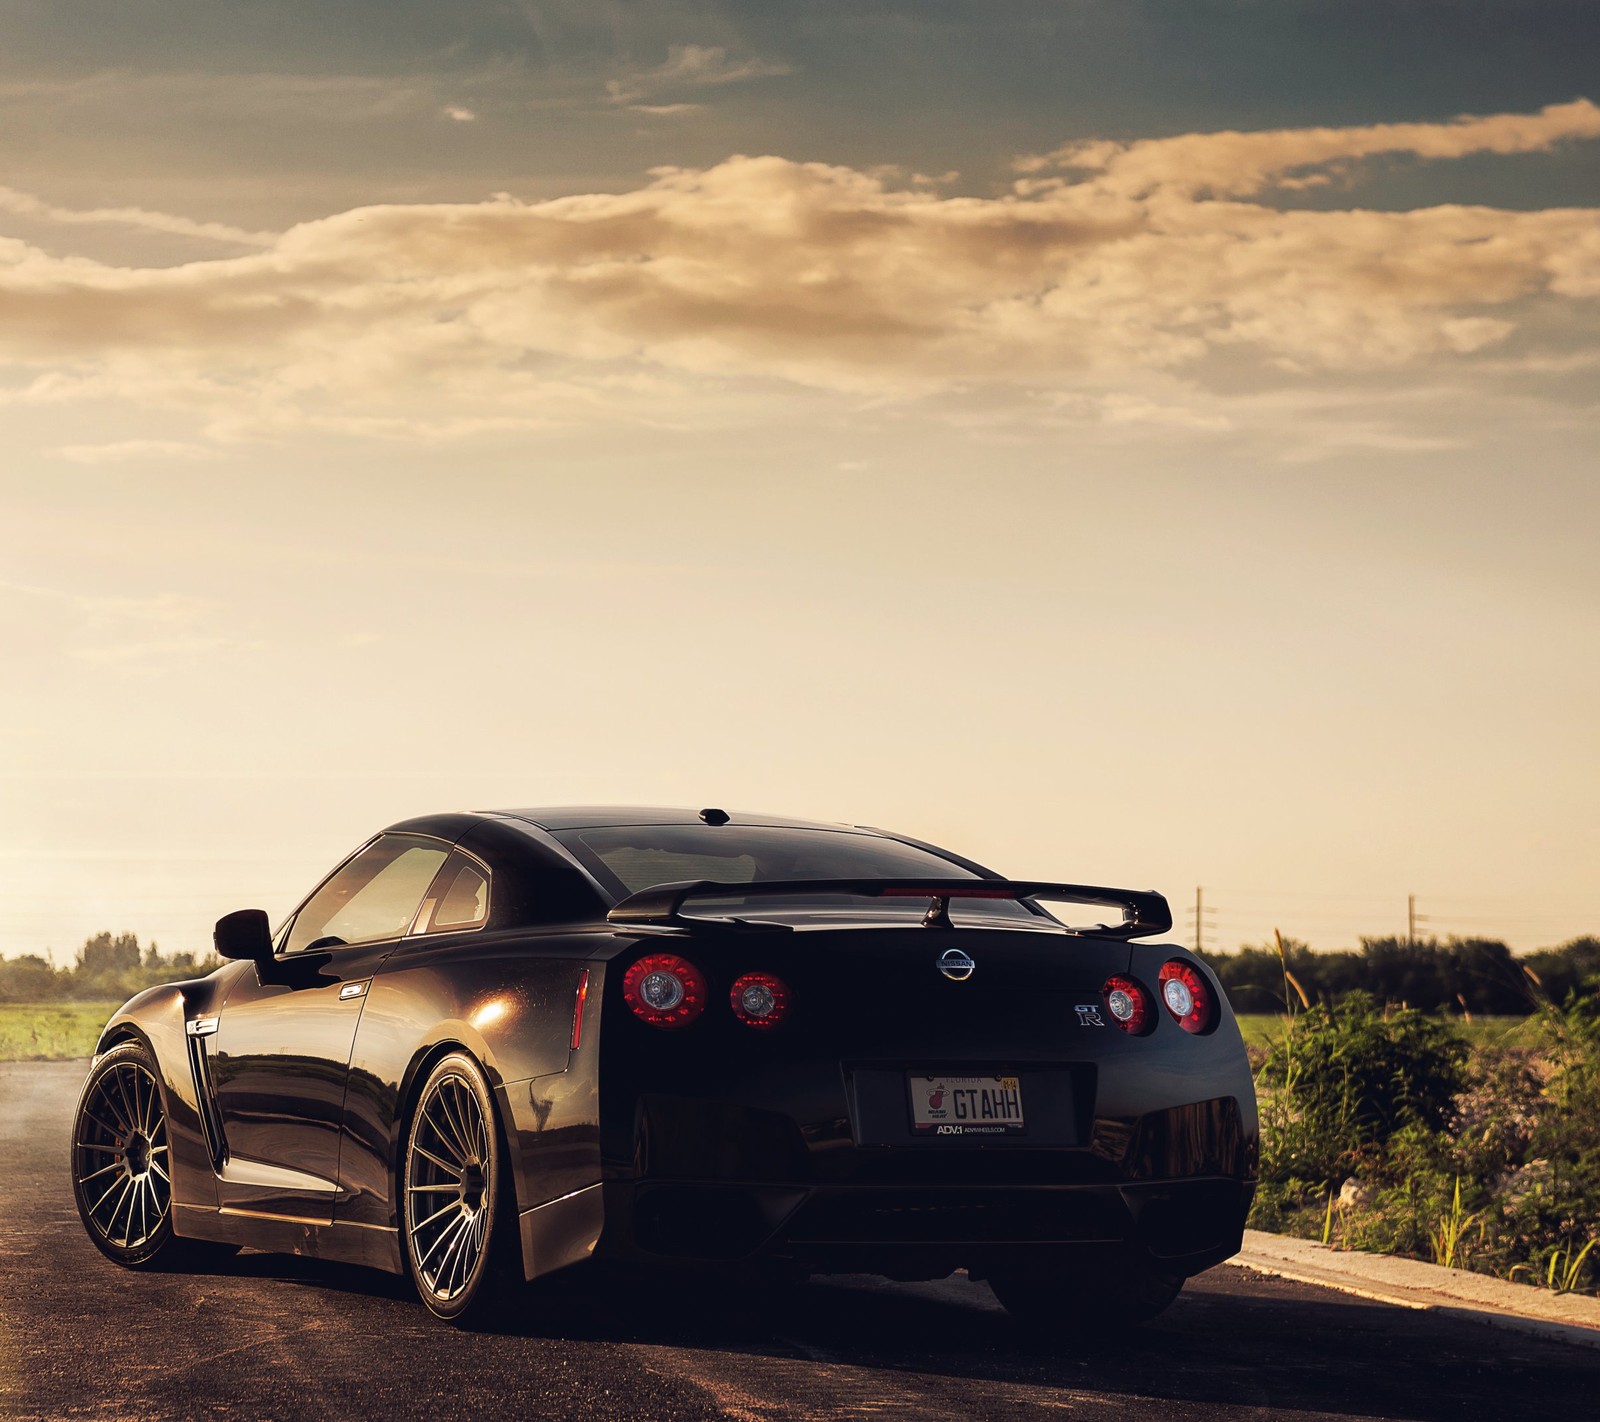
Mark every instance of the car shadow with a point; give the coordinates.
(322, 1274)
(1232, 1338)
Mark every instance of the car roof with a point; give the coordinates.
(566, 817)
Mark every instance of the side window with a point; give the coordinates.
(458, 899)
(375, 895)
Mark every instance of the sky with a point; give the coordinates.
(1149, 443)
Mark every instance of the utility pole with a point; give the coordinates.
(1200, 924)
(1411, 920)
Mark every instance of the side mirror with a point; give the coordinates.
(245, 934)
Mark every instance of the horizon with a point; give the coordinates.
(1152, 445)
(1221, 918)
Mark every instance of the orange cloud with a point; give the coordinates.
(26, 205)
(461, 314)
(1231, 164)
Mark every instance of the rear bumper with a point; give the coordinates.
(714, 1183)
(1180, 1226)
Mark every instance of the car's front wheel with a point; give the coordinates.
(121, 1165)
(458, 1209)
(1134, 1295)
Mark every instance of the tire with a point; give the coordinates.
(1043, 1302)
(457, 1207)
(121, 1178)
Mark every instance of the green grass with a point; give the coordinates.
(50, 1031)
(1261, 1029)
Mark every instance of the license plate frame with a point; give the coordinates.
(947, 1106)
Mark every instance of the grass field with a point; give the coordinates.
(1261, 1029)
(50, 1031)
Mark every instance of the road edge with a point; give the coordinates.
(1409, 1283)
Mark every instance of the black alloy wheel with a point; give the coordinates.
(121, 1164)
(458, 1214)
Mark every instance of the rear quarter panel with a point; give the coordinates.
(507, 999)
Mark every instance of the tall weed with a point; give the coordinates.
(1487, 1160)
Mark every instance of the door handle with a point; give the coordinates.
(353, 990)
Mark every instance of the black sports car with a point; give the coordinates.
(492, 1045)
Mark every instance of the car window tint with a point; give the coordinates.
(640, 866)
(637, 856)
(633, 857)
(374, 896)
(457, 899)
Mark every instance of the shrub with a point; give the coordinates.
(1343, 1079)
(1488, 1160)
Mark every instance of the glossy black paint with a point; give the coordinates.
(716, 1144)
(277, 1065)
(244, 934)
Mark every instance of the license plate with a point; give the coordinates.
(966, 1105)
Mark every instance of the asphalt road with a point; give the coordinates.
(282, 1338)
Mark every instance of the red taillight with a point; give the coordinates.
(759, 1000)
(577, 1009)
(1187, 997)
(1128, 1004)
(664, 990)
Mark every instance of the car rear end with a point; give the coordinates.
(908, 1099)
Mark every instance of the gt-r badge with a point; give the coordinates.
(1089, 1015)
(956, 965)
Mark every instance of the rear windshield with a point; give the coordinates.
(627, 858)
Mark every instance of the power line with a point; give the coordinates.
(1198, 915)
(1413, 918)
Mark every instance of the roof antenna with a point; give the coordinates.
(714, 817)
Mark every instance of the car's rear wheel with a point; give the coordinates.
(121, 1161)
(458, 1209)
(1135, 1294)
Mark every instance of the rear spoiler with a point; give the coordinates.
(661, 906)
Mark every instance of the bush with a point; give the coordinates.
(1553, 1209)
(1343, 1079)
(1488, 1160)
(27, 979)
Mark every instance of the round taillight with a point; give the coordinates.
(664, 990)
(759, 1000)
(1186, 996)
(1127, 1003)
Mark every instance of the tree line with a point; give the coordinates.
(1476, 975)
(1472, 975)
(108, 966)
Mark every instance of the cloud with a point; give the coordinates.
(666, 110)
(1231, 164)
(123, 451)
(137, 633)
(442, 320)
(26, 205)
(170, 649)
(457, 114)
(688, 66)
(164, 610)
